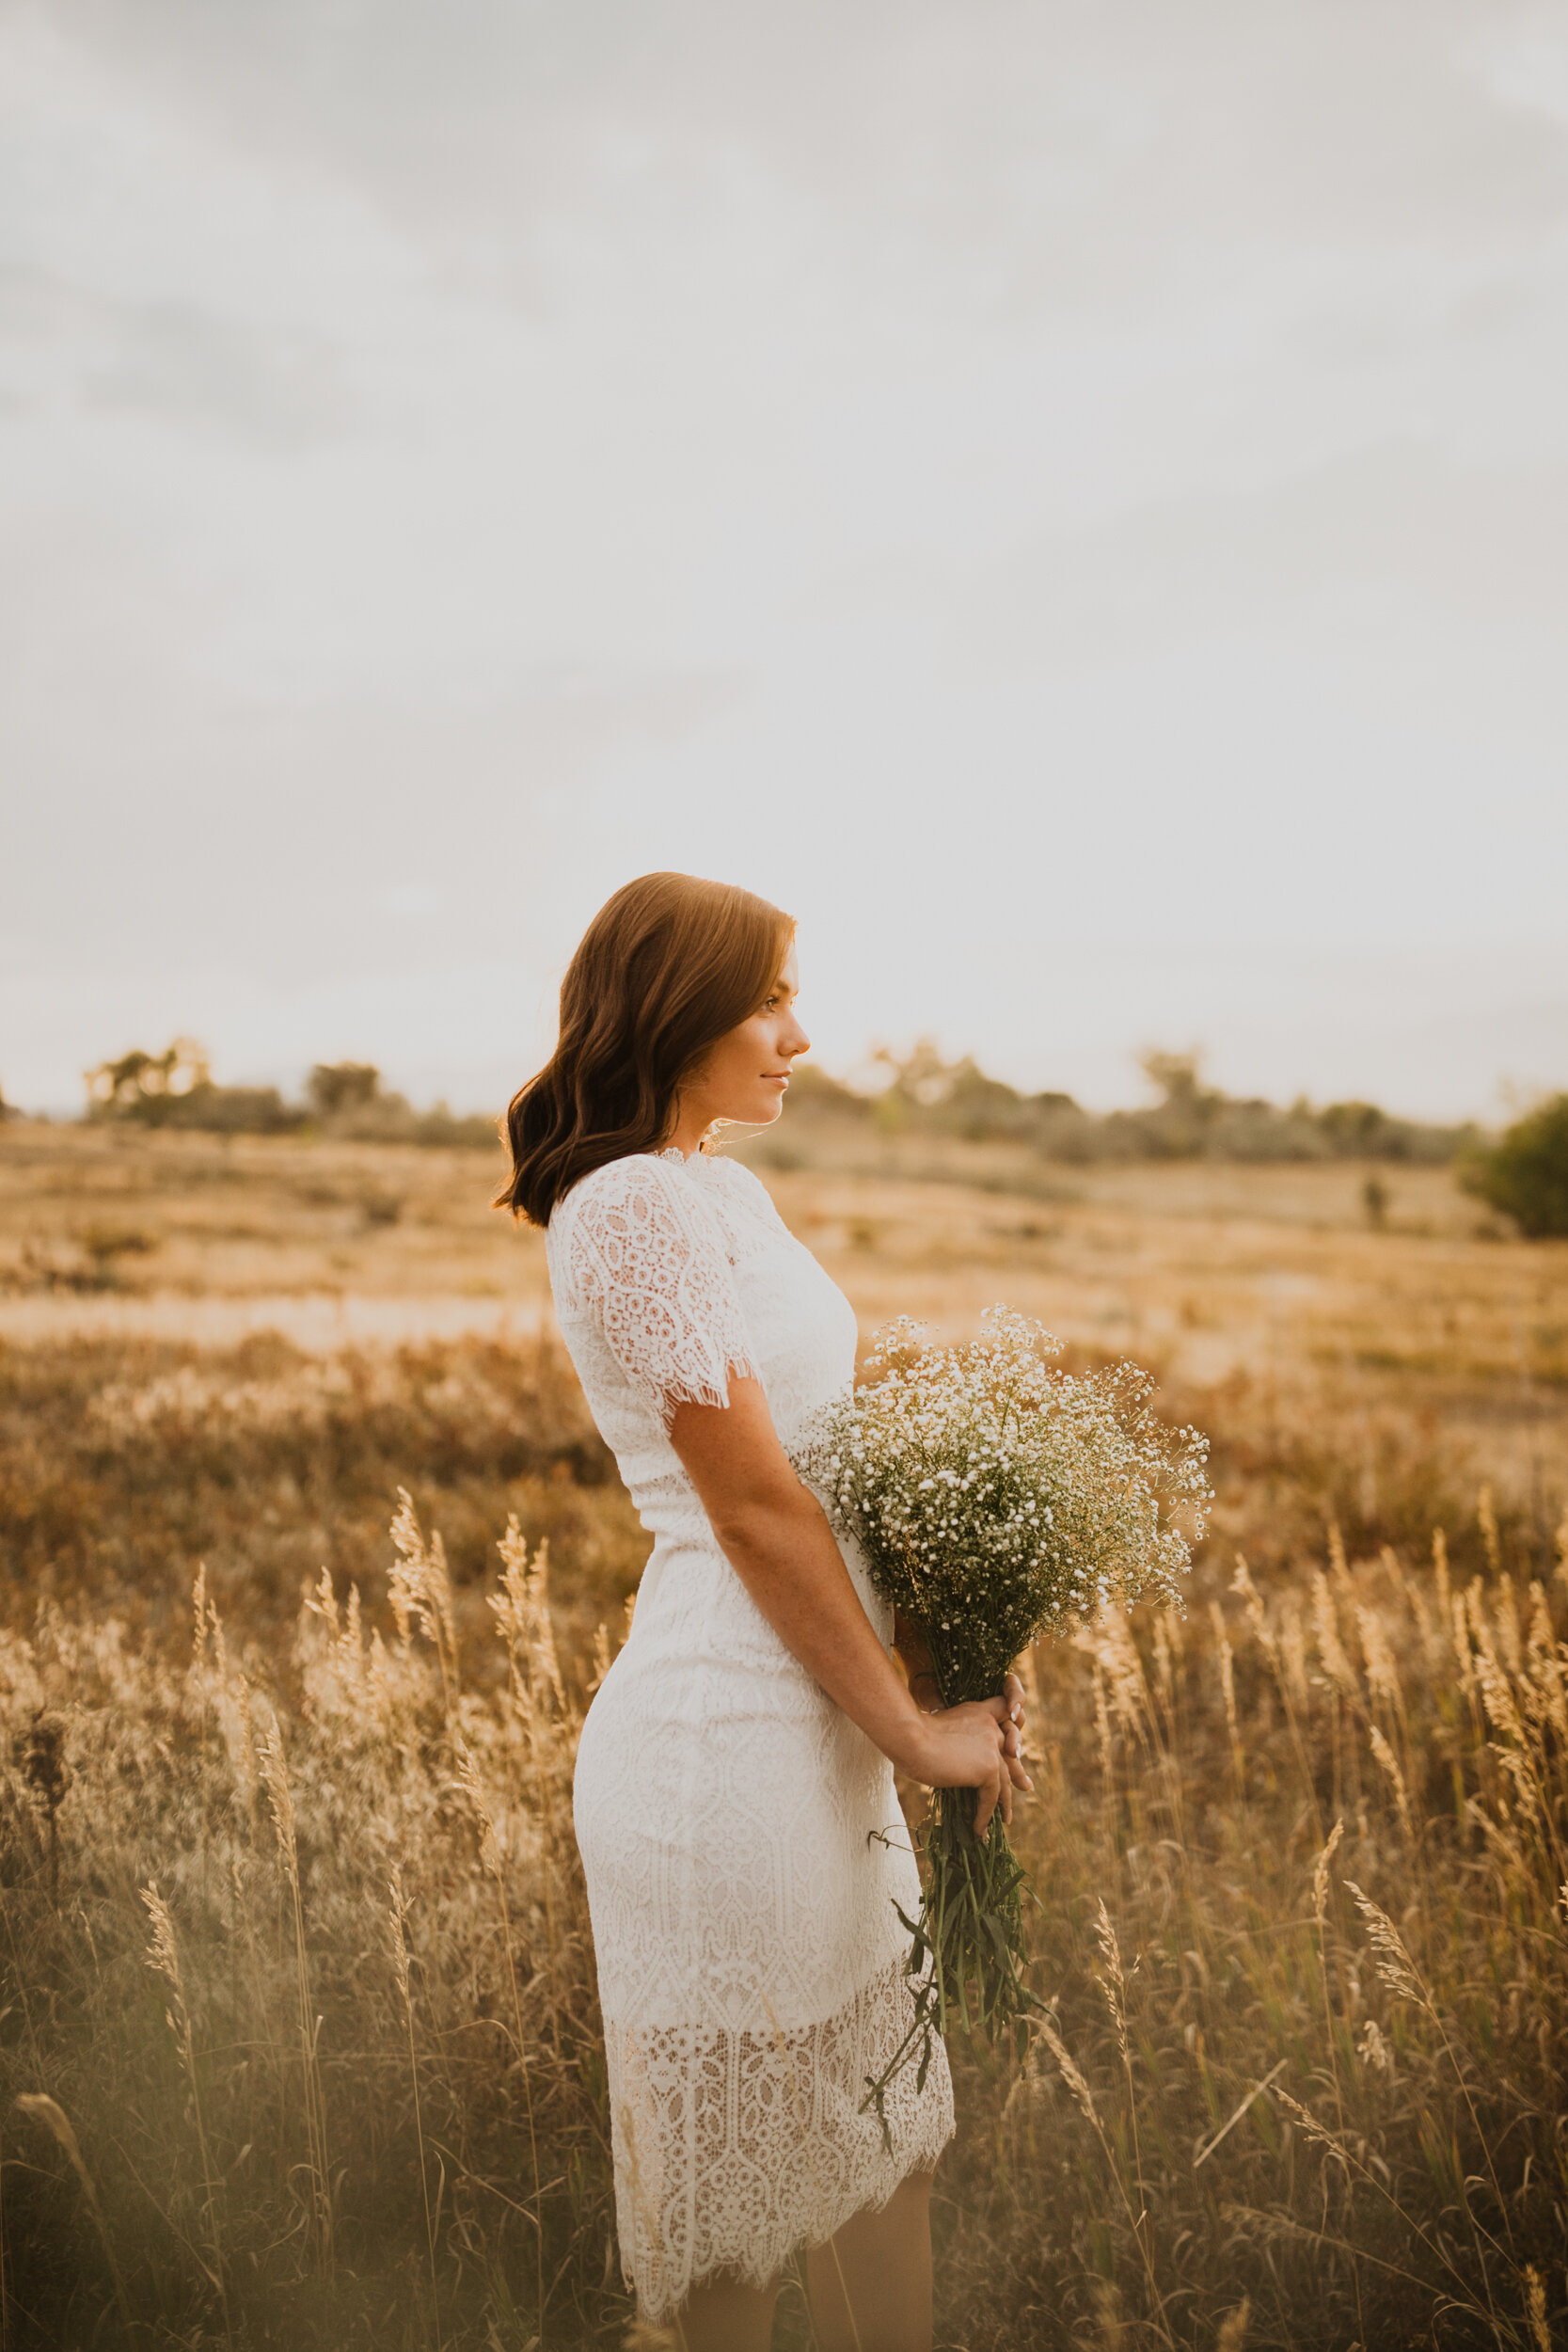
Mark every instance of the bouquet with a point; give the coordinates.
(997, 1500)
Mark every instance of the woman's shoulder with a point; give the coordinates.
(648, 1185)
(733, 1180)
(642, 1223)
(664, 1186)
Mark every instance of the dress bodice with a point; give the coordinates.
(669, 1276)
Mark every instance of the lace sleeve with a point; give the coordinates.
(644, 1258)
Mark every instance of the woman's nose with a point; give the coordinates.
(797, 1041)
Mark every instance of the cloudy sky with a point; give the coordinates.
(1071, 500)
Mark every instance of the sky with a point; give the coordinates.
(1069, 499)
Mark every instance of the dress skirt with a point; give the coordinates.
(744, 1853)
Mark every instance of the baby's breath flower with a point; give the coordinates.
(998, 1499)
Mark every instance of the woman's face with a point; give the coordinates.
(746, 1075)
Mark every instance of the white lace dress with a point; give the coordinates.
(729, 1815)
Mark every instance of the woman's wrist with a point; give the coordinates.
(910, 1747)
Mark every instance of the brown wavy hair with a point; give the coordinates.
(666, 967)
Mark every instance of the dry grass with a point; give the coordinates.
(296, 1985)
(374, 2110)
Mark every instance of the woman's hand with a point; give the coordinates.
(926, 1691)
(979, 1746)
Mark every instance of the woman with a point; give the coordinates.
(733, 1799)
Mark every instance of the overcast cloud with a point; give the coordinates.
(1070, 499)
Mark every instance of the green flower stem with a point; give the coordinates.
(967, 1954)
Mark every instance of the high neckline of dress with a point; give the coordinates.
(682, 1159)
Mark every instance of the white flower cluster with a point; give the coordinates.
(998, 1498)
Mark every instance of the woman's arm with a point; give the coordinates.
(776, 1538)
(909, 1643)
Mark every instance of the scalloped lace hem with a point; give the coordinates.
(733, 2150)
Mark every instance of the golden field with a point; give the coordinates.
(297, 1992)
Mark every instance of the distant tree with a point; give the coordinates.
(335, 1086)
(1362, 1131)
(1525, 1173)
(1177, 1077)
(148, 1086)
(954, 1098)
(920, 1079)
(175, 1089)
(1180, 1128)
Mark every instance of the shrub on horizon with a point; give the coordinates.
(345, 1103)
(335, 1086)
(1525, 1173)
